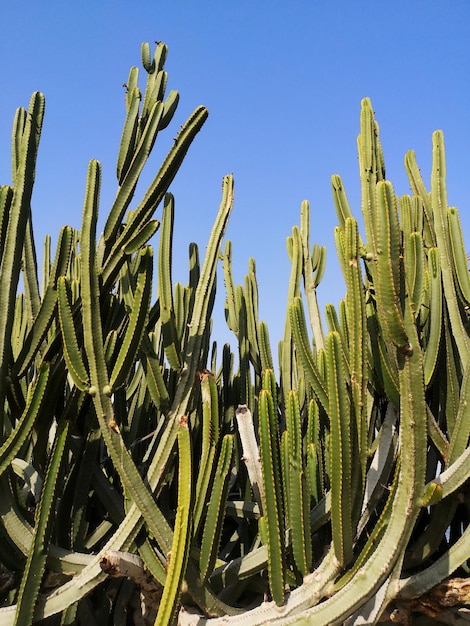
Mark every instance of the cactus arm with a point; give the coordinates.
(245, 393)
(34, 404)
(30, 271)
(36, 561)
(356, 324)
(19, 124)
(310, 284)
(142, 236)
(231, 308)
(46, 263)
(388, 266)
(197, 330)
(10, 265)
(340, 453)
(439, 201)
(420, 583)
(459, 256)
(422, 197)
(369, 168)
(136, 325)
(296, 488)
(154, 377)
(156, 77)
(155, 192)
(461, 431)
(435, 315)
(6, 198)
(299, 332)
(251, 301)
(265, 347)
(340, 199)
(169, 107)
(383, 362)
(45, 315)
(272, 505)
(216, 509)
(203, 300)
(182, 530)
(100, 388)
(72, 355)
(129, 133)
(127, 187)
(414, 269)
(171, 341)
(210, 437)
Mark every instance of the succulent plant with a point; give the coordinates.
(148, 477)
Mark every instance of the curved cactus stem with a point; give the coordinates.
(182, 531)
(129, 181)
(171, 341)
(72, 355)
(153, 196)
(137, 319)
(341, 452)
(36, 561)
(296, 488)
(17, 437)
(42, 323)
(388, 278)
(129, 133)
(310, 283)
(216, 509)
(356, 320)
(439, 202)
(459, 255)
(24, 166)
(435, 315)
(371, 170)
(304, 352)
(272, 505)
(100, 388)
(210, 438)
(231, 307)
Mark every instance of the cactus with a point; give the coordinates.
(131, 447)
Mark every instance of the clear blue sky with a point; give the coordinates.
(283, 83)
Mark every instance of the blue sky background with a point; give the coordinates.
(283, 83)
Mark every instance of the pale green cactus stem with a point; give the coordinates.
(152, 198)
(371, 169)
(100, 389)
(340, 471)
(25, 148)
(182, 530)
(216, 509)
(33, 343)
(209, 443)
(389, 272)
(356, 320)
(272, 519)
(439, 202)
(312, 275)
(37, 555)
(171, 341)
(295, 488)
(138, 318)
(72, 354)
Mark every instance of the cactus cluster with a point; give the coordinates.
(148, 477)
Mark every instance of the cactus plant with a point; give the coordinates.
(140, 463)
